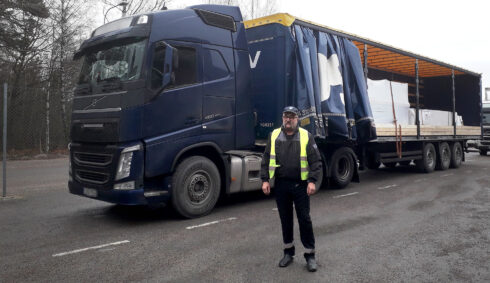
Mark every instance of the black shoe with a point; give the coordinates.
(286, 260)
(311, 264)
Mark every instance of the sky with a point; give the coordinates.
(455, 32)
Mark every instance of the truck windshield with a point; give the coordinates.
(115, 63)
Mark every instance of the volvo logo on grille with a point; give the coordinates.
(94, 102)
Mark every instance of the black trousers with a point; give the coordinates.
(288, 192)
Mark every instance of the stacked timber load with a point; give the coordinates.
(390, 100)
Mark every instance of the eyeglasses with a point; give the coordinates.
(291, 116)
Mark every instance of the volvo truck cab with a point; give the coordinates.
(155, 91)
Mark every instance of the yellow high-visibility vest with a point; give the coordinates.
(303, 141)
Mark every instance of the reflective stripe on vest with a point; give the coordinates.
(303, 141)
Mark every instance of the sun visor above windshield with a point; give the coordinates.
(221, 9)
(113, 26)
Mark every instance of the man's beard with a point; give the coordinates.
(291, 126)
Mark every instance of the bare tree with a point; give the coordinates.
(258, 8)
(66, 24)
(22, 40)
(134, 6)
(251, 9)
(224, 2)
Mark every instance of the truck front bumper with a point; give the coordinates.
(124, 197)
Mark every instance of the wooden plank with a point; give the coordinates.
(387, 130)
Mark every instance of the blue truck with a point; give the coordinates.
(175, 106)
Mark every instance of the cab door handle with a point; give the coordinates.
(191, 121)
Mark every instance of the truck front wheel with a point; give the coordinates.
(342, 169)
(195, 187)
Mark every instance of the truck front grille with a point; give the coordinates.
(92, 177)
(98, 159)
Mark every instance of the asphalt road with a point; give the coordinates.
(396, 225)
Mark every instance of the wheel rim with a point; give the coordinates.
(445, 154)
(430, 158)
(343, 168)
(199, 187)
(458, 154)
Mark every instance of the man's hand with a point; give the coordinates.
(309, 190)
(266, 188)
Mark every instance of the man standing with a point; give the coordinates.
(292, 157)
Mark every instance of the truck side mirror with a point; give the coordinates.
(168, 65)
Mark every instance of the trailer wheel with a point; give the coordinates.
(456, 155)
(483, 152)
(342, 167)
(390, 164)
(444, 156)
(195, 187)
(428, 161)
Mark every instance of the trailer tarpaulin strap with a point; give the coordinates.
(330, 86)
(398, 131)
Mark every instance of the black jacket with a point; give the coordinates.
(287, 156)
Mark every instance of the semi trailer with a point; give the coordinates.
(175, 106)
(483, 145)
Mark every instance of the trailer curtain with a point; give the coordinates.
(330, 87)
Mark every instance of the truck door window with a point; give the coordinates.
(214, 66)
(183, 71)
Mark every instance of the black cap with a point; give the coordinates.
(291, 109)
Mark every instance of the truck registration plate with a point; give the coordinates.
(90, 192)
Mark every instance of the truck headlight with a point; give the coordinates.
(124, 166)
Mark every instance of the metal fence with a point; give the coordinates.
(37, 123)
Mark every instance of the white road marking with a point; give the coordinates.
(106, 250)
(346, 195)
(91, 248)
(387, 187)
(210, 223)
(275, 209)
(445, 175)
(419, 180)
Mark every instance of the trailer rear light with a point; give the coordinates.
(126, 186)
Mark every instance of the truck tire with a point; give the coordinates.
(195, 187)
(444, 156)
(456, 155)
(342, 170)
(390, 164)
(483, 152)
(428, 162)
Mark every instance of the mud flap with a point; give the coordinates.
(355, 176)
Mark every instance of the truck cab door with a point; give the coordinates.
(176, 80)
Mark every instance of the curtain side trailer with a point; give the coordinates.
(175, 106)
